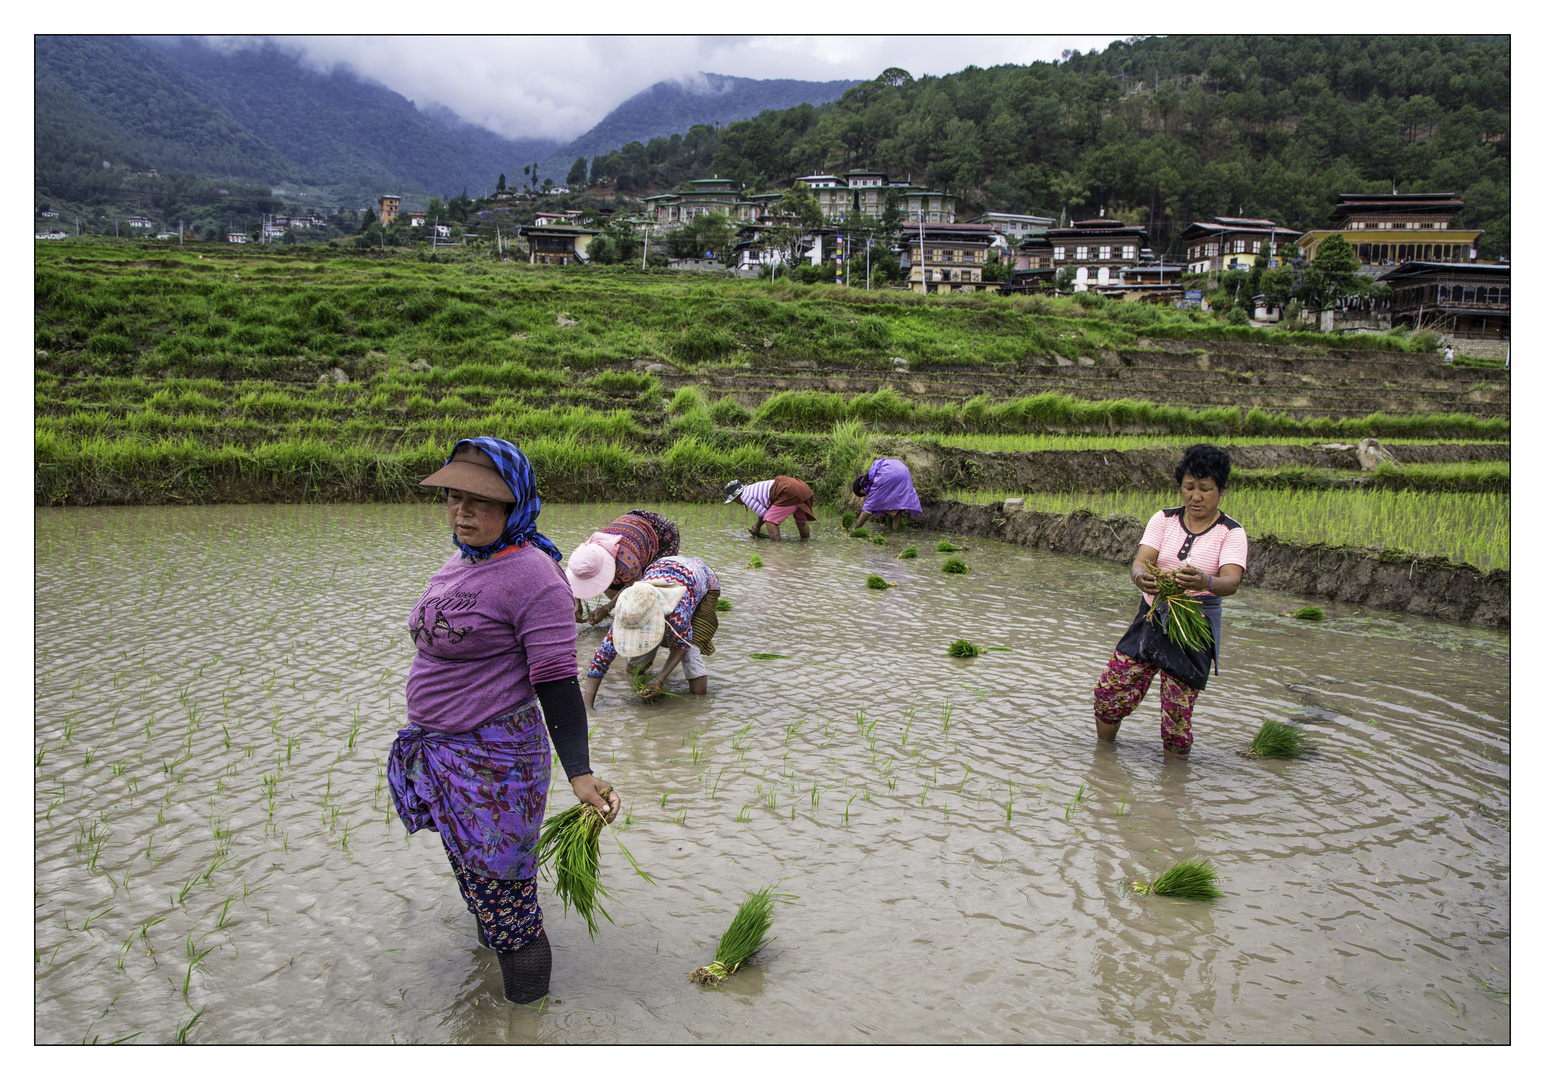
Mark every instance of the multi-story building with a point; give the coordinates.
(1387, 230)
(946, 258)
(1463, 300)
(864, 192)
(1231, 243)
(714, 196)
(1097, 249)
(388, 211)
(1015, 228)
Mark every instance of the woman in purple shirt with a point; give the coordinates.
(495, 640)
(886, 488)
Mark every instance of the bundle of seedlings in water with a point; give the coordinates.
(1187, 625)
(724, 603)
(1310, 614)
(746, 935)
(859, 534)
(1192, 878)
(569, 847)
(875, 581)
(756, 562)
(1276, 739)
(945, 545)
(848, 518)
(877, 540)
(960, 647)
(954, 566)
(907, 553)
(767, 656)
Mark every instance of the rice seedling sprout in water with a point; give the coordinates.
(1276, 739)
(848, 518)
(960, 647)
(907, 553)
(724, 603)
(1310, 614)
(878, 540)
(875, 581)
(954, 566)
(1192, 878)
(746, 935)
(946, 546)
(767, 656)
(859, 534)
(755, 563)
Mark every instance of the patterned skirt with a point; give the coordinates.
(705, 622)
(484, 790)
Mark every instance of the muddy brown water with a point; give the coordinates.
(217, 687)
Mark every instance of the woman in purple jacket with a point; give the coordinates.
(495, 639)
(886, 488)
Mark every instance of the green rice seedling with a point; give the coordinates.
(756, 563)
(1310, 614)
(724, 603)
(877, 540)
(946, 546)
(569, 846)
(848, 518)
(1187, 624)
(961, 648)
(860, 534)
(1191, 878)
(875, 581)
(909, 552)
(1276, 739)
(746, 935)
(1076, 803)
(954, 566)
(766, 656)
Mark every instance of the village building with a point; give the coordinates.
(1387, 230)
(1015, 228)
(49, 213)
(675, 208)
(416, 218)
(558, 217)
(558, 245)
(388, 211)
(140, 221)
(946, 258)
(1459, 300)
(1231, 243)
(236, 238)
(1097, 249)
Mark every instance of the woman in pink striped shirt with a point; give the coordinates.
(1208, 549)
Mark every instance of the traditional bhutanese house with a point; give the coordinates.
(1034, 253)
(1230, 243)
(1015, 228)
(1469, 300)
(1152, 282)
(388, 209)
(946, 258)
(715, 196)
(557, 245)
(557, 217)
(1097, 249)
(1387, 230)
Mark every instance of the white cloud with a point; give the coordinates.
(559, 87)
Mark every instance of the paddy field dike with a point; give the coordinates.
(211, 376)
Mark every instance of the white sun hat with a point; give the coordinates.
(638, 619)
(591, 570)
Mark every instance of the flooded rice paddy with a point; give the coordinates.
(217, 859)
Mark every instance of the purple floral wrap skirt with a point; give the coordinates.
(482, 790)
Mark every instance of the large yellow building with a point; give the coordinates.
(1387, 230)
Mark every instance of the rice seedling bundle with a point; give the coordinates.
(960, 647)
(909, 552)
(945, 545)
(954, 566)
(1276, 739)
(756, 563)
(1192, 878)
(724, 604)
(569, 847)
(878, 540)
(1187, 625)
(875, 581)
(848, 518)
(1310, 614)
(767, 656)
(746, 935)
(859, 534)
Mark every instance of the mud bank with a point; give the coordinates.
(1392, 581)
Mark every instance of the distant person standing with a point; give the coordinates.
(1448, 355)
(774, 502)
(886, 488)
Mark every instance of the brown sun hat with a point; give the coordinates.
(470, 469)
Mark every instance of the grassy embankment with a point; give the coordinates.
(164, 377)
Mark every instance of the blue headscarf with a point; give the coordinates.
(515, 470)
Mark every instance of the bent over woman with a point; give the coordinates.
(1207, 549)
(616, 555)
(675, 603)
(886, 488)
(494, 658)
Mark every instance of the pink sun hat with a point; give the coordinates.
(592, 566)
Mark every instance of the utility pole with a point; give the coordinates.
(645, 264)
(922, 252)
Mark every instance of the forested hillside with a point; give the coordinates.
(1160, 131)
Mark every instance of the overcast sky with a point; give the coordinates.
(560, 87)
